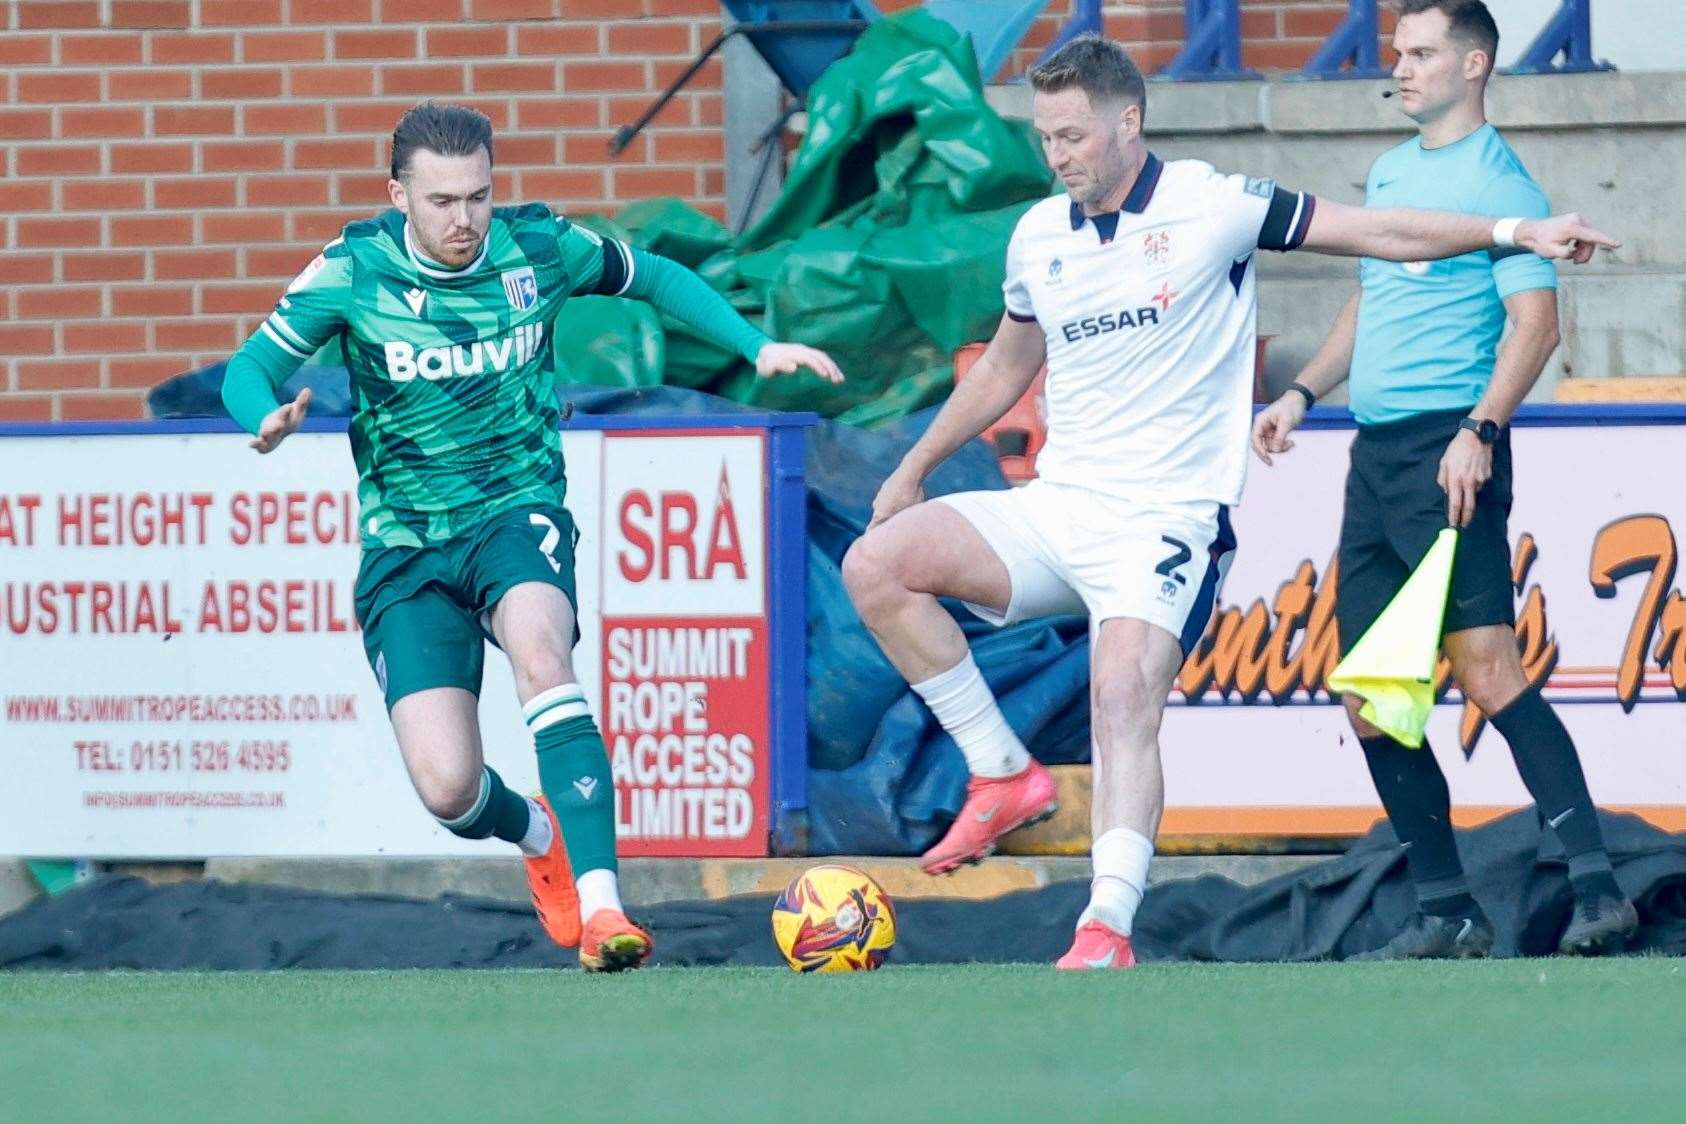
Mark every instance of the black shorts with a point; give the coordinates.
(1395, 509)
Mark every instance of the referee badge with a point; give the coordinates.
(521, 287)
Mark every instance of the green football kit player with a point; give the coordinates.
(445, 308)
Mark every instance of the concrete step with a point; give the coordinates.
(1633, 388)
(1067, 833)
(17, 887)
(1036, 856)
(653, 880)
(1054, 851)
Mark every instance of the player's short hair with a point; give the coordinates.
(1472, 24)
(1099, 68)
(446, 130)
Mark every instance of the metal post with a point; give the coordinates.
(1212, 51)
(1085, 19)
(1354, 41)
(753, 102)
(787, 672)
(1569, 33)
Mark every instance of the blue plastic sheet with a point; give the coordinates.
(884, 779)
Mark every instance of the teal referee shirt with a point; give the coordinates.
(1428, 332)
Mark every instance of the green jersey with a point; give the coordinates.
(452, 375)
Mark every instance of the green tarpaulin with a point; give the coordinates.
(885, 247)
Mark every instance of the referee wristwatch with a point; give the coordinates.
(1484, 428)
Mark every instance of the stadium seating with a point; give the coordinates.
(996, 26)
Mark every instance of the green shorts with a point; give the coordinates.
(426, 612)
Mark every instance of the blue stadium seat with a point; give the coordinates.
(996, 26)
(800, 54)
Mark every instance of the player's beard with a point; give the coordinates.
(444, 249)
(449, 252)
(1088, 190)
(1105, 179)
(1097, 192)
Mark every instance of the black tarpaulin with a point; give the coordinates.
(1327, 911)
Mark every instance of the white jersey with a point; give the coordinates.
(1150, 318)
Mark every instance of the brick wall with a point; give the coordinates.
(166, 165)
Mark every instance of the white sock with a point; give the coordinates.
(537, 840)
(1121, 859)
(960, 699)
(599, 889)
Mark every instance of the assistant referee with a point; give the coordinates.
(1433, 391)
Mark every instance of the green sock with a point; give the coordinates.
(574, 773)
(497, 811)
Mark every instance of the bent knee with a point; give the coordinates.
(1491, 686)
(447, 794)
(870, 568)
(542, 669)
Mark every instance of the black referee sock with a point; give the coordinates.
(1413, 790)
(1545, 756)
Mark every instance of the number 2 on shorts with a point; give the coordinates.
(1167, 568)
(552, 536)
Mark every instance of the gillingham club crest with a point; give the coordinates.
(521, 287)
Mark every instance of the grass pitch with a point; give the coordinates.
(1529, 1039)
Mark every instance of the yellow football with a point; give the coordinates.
(834, 918)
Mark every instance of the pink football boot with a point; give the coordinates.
(1097, 947)
(994, 806)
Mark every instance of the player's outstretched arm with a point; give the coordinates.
(282, 422)
(788, 358)
(997, 380)
(312, 311)
(1403, 234)
(686, 297)
(249, 384)
(1327, 370)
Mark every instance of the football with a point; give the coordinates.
(834, 918)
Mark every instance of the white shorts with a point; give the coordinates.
(1070, 550)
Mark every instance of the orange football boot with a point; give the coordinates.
(551, 880)
(613, 944)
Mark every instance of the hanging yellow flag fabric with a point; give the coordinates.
(1392, 666)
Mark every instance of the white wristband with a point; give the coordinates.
(1504, 232)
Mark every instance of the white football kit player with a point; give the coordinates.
(1150, 316)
